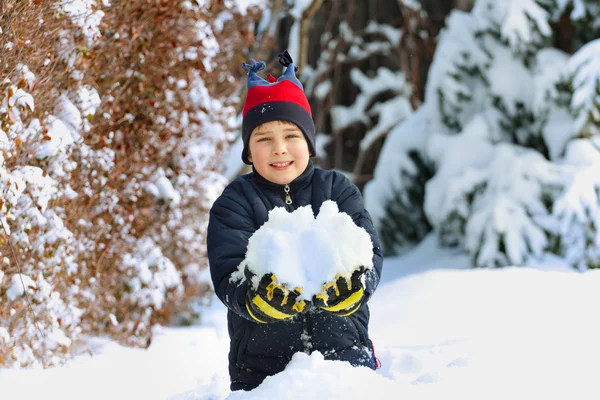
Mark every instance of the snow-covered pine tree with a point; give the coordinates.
(405, 222)
(575, 227)
(501, 114)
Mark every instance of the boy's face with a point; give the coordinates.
(279, 151)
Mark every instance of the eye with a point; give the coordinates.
(263, 139)
(292, 135)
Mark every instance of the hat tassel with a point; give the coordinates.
(254, 67)
(285, 59)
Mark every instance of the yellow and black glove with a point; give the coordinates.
(344, 295)
(271, 301)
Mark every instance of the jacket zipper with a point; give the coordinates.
(308, 333)
(306, 322)
(288, 194)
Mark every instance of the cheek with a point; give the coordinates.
(253, 150)
(257, 153)
(302, 150)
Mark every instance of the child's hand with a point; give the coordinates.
(344, 295)
(271, 301)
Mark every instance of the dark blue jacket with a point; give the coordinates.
(260, 350)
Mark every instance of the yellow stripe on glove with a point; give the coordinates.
(269, 309)
(350, 302)
(254, 316)
(271, 301)
(344, 295)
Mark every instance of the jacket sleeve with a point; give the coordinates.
(229, 228)
(350, 200)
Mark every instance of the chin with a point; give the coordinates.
(283, 181)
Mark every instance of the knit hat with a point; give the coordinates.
(280, 99)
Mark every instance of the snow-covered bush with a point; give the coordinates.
(509, 126)
(37, 311)
(113, 120)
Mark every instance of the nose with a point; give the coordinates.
(279, 147)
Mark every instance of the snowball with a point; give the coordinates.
(304, 251)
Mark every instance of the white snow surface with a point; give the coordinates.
(440, 329)
(306, 252)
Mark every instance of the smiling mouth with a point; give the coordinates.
(282, 164)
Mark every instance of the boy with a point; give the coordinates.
(268, 324)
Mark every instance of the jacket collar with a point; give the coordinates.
(300, 181)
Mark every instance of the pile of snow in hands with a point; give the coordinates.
(306, 252)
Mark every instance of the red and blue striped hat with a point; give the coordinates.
(280, 99)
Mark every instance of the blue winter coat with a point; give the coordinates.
(260, 350)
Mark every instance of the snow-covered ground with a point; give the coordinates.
(441, 331)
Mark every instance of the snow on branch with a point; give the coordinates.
(585, 67)
(370, 87)
(355, 49)
(412, 4)
(575, 228)
(84, 14)
(522, 23)
(151, 275)
(396, 175)
(456, 85)
(496, 207)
